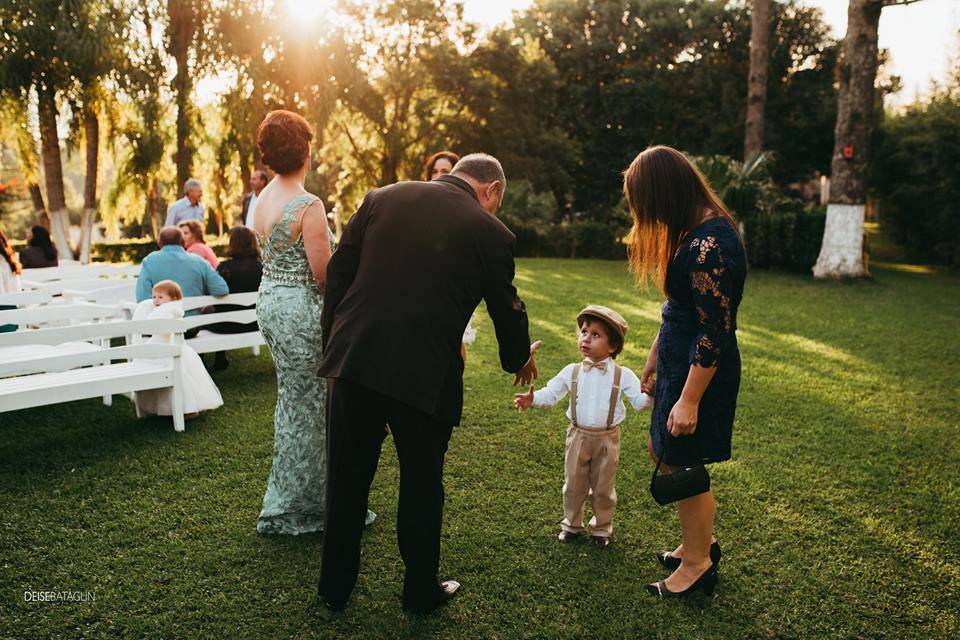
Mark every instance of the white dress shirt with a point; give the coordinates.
(248, 223)
(593, 394)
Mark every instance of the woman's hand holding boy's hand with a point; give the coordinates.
(648, 379)
(523, 400)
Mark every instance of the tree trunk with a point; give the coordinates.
(841, 254)
(91, 128)
(155, 207)
(53, 170)
(757, 83)
(182, 30)
(39, 208)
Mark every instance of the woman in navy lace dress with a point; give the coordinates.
(685, 239)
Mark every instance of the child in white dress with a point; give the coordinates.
(199, 391)
(597, 385)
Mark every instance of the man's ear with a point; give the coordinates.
(494, 189)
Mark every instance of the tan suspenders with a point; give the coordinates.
(614, 394)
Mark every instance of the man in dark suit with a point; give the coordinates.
(258, 180)
(412, 265)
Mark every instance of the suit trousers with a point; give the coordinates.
(589, 472)
(357, 419)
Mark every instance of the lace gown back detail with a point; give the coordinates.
(288, 310)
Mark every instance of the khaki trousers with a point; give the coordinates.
(589, 472)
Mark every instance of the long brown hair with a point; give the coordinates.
(668, 197)
(432, 160)
(7, 252)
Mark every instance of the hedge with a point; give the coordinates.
(131, 250)
(787, 239)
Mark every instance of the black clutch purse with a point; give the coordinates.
(684, 482)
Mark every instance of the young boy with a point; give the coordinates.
(596, 410)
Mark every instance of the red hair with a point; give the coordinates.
(284, 141)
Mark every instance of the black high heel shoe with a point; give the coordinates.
(706, 583)
(672, 562)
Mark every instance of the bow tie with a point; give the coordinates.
(590, 364)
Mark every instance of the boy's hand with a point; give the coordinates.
(523, 400)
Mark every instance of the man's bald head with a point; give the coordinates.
(170, 235)
(484, 173)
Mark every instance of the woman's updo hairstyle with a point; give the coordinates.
(284, 141)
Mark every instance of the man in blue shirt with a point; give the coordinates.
(194, 274)
(188, 207)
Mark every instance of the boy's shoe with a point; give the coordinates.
(602, 541)
(569, 536)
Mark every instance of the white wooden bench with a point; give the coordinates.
(79, 287)
(61, 314)
(42, 376)
(25, 298)
(75, 272)
(208, 341)
(122, 294)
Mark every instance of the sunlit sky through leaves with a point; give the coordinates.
(921, 38)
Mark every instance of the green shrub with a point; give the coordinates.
(786, 239)
(915, 178)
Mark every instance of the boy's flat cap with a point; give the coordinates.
(606, 314)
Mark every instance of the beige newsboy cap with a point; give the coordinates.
(608, 315)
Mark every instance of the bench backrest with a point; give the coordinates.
(87, 332)
(25, 298)
(196, 302)
(74, 272)
(73, 313)
(116, 293)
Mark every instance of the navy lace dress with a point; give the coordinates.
(705, 283)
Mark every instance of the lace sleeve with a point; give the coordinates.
(712, 287)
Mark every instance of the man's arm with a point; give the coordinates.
(507, 310)
(343, 265)
(213, 282)
(171, 215)
(145, 282)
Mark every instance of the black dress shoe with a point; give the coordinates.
(569, 536)
(672, 562)
(707, 582)
(447, 590)
(333, 605)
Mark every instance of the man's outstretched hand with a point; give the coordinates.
(528, 373)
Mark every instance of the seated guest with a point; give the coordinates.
(439, 164)
(192, 231)
(40, 252)
(242, 271)
(9, 278)
(194, 274)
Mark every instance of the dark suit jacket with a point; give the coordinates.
(244, 207)
(412, 265)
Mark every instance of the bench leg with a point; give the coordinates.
(256, 350)
(108, 400)
(178, 421)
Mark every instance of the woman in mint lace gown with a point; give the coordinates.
(296, 243)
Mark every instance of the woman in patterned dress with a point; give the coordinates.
(296, 243)
(685, 239)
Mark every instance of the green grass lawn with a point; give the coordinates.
(838, 515)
